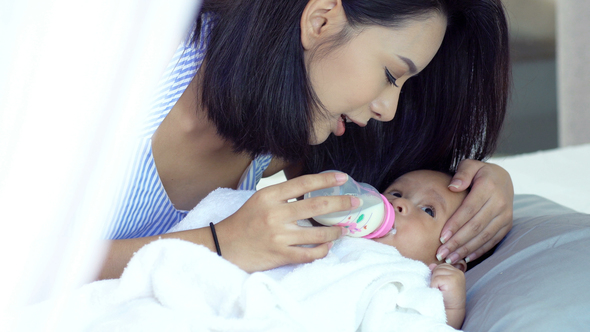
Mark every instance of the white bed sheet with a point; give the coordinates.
(561, 175)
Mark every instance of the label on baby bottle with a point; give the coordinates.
(359, 222)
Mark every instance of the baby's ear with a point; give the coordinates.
(461, 265)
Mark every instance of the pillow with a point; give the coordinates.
(537, 279)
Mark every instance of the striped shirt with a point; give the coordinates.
(144, 208)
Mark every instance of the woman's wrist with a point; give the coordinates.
(202, 236)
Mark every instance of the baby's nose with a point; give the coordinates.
(400, 205)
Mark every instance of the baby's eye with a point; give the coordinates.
(396, 194)
(428, 210)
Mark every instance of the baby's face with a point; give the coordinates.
(422, 204)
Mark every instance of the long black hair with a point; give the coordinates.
(255, 86)
(256, 90)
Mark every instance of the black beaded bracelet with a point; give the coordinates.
(215, 238)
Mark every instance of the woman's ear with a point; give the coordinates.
(321, 19)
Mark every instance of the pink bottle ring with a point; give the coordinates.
(388, 221)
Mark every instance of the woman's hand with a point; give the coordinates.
(264, 234)
(451, 282)
(484, 217)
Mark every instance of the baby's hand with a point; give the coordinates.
(451, 282)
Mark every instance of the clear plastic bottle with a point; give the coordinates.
(373, 218)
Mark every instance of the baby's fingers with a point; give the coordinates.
(446, 277)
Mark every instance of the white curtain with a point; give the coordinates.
(75, 79)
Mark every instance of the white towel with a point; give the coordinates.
(367, 285)
(218, 205)
(176, 285)
(356, 274)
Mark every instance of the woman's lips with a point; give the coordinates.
(340, 127)
(358, 123)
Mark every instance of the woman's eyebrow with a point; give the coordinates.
(410, 63)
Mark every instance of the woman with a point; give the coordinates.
(277, 80)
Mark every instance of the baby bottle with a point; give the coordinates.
(373, 218)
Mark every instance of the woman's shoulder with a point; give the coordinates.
(177, 76)
(279, 170)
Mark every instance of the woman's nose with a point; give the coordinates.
(385, 106)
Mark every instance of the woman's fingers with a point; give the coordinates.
(465, 174)
(484, 217)
(264, 233)
(301, 185)
(300, 255)
(470, 219)
(280, 194)
(317, 206)
(475, 209)
(316, 235)
(478, 252)
(478, 245)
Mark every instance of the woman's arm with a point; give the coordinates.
(263, 233)
(121, 251)
(484, 217)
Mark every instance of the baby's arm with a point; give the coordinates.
(451, 282)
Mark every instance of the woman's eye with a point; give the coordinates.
(390, 77)
(428, 210)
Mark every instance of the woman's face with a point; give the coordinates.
(362, 79)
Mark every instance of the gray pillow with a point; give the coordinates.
(538, 278)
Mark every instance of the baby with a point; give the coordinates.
(422, 204)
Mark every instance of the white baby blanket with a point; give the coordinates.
(174, 285)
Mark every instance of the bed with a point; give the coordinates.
(537, 277)
(535, 280)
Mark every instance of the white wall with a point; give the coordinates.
(573, 66)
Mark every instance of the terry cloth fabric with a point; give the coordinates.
(144, 208)
(176, 285)
(218, 205)
(359, 284)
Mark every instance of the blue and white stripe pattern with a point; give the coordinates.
(144, 208)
